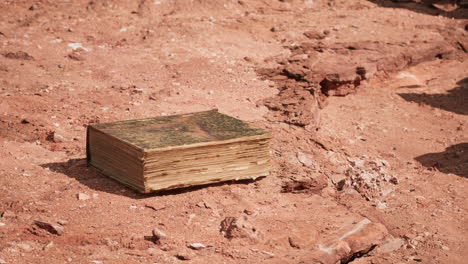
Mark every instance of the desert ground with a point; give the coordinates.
(366, 101)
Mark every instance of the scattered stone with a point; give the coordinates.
(55, 229)
(167, 247)
(25, 247)
(267, 253)
(8, 214)
(97, 262)
(62, 222)
(49, 245)
(33, 7)
(313, 34)
(196, 246)
(305, 159)
(76, 46)
(185, 255)
(76, 55)
(310, 185)
(233, 227)
(297, 242)
(298, 57)
(2, 224)
(82, 197)
(158, 234)
(390, 245)
(19, 55)
(2, 261)
(249, 212)
(275, 29)
(250, 59)
(381, 205)
(111, 243)
(416, 259)
(152, 251)
(55, 137)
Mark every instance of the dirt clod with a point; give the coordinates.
(19, 55)
(304, 186)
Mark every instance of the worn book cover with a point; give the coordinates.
(176, 151)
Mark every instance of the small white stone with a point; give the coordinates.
(197, 246)
(82, 196)
(381, 205)
(76, 46)
(267, 253)
(305, 159)
(158, 234)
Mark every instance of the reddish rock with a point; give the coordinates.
(55, 229)
(313, 34)
(233, 227)
(19, 55)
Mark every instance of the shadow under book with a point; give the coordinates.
(178, 151)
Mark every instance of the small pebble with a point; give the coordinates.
(275, 29)
(158, 234)
(152, 251)
(82, 196)
(197, 246)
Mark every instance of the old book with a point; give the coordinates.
(178, 151)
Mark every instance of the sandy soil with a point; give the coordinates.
(367, 102)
